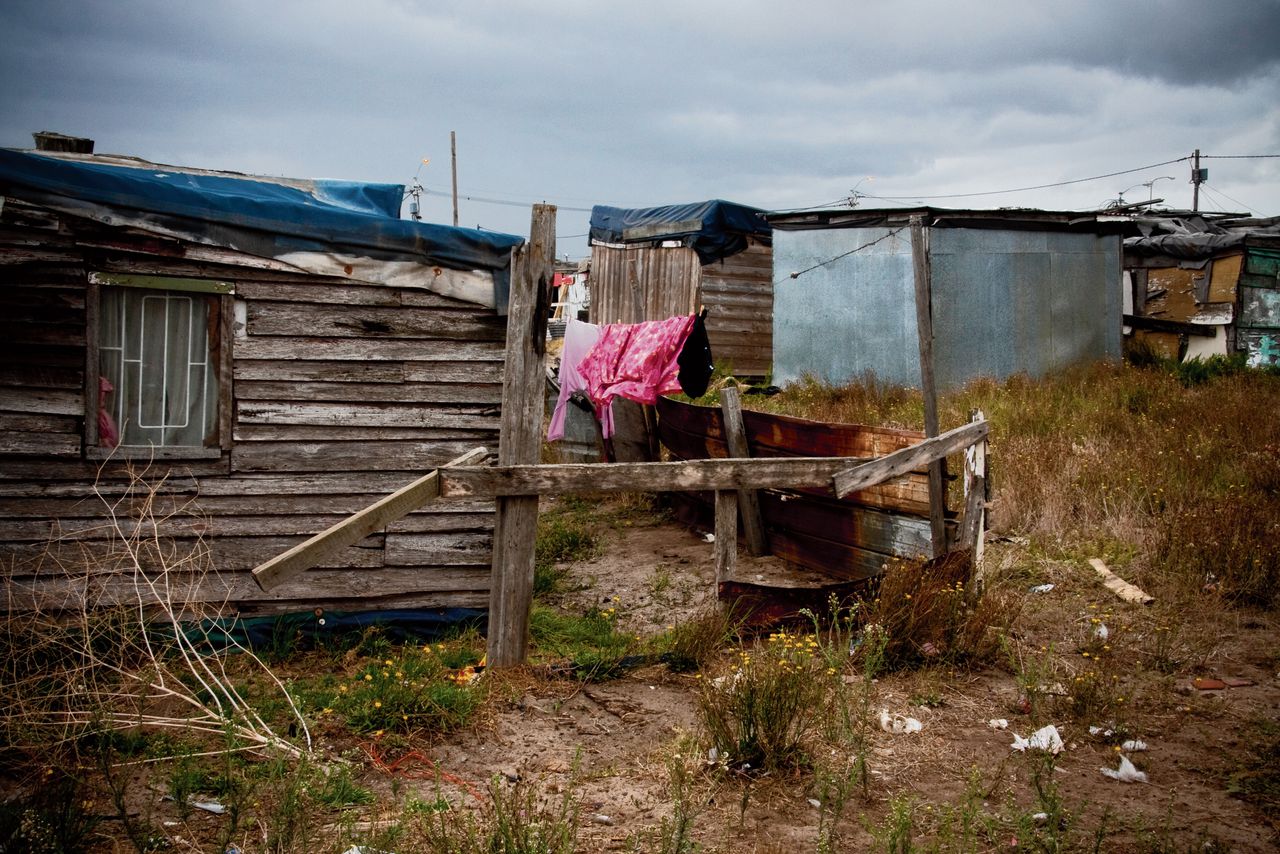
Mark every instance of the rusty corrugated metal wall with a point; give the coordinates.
(669, 280)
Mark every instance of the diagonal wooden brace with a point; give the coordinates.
(355, 528)
(908, 459)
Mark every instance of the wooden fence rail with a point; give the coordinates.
(517, 481)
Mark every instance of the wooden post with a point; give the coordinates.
(735, 435)
(924, 329)
(453, 161)
(975, 507)
(515, 526)
(726, 535)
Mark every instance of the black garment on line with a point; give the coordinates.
(695, 359)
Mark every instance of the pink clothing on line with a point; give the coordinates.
(637, 361)
(579, 337)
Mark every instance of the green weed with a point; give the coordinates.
(590, 642)
(411, 689)
(759, 712)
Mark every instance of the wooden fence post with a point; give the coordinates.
(515, 526)
(726, 535)
(975, 507)
(924, 329)
(735, 436)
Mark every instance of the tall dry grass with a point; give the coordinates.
(1177, 470)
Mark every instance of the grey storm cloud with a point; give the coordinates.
(778, 105)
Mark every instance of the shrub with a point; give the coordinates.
(759, 713)
(926, 614)
(415, 691)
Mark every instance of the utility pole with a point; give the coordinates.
(1197, 177)
(453, 151)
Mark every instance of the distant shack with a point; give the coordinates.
(1013, 291)
(1200, 285)
(654, 263)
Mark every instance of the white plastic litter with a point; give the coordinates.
(998, 723)
(710, 538)
(1101, 632)
(1134, 745)
(815, 803)
(1041, 588)
(1126, 773)
(1045, 738)
(209, 806)
(899, 724)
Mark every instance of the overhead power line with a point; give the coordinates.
(1037, 186)
(1239, 156)
(508, 202)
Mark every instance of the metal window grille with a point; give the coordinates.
(154, 350)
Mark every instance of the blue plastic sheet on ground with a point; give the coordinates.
(309, 629)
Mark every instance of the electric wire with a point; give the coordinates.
(1239, 156)
(489, 201)
(797, 274)
(1036, 187)
(1212, 192)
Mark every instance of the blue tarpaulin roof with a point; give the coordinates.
(714, 229)
(259, 216)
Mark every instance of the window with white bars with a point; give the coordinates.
(157, 364)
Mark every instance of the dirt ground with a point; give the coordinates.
(619, 734)
(611, 743)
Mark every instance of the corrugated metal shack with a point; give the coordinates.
(1199, 285)
(654, 263)
(1013, 291)
(273, 354)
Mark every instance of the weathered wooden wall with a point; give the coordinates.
(848, 538)
(670, 280)
(341, 393)
(665, 278)
(739, 290)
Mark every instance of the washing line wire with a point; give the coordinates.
(797, 274)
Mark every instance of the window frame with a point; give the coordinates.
(221, 320)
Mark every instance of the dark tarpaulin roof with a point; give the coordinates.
(1192, 237)
(714, 229)
(259, 216)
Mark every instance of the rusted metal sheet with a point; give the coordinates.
(850, 538)
(1223, 275)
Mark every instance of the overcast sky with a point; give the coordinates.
(779, 105)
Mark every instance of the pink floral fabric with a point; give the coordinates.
(579, 338)
(637, 361)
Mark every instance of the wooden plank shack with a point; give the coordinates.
(849, 537)
(653, 272)
(329, 392)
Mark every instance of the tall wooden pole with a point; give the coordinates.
(515, 526)
(1195, 181)
(924, 328)
(453, 157)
